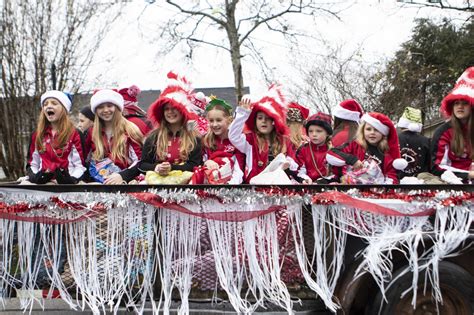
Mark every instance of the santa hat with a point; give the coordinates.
(177, 93)
(385, 126)
(297, 113)
(130, 95)
(320, 119)
(348, 110)
(463, 90)
(64, 98)
(411, 119)
(106, 96)
(273, 104)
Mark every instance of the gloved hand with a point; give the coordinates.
(40, 178)
(63, 177)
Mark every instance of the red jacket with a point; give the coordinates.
(309, 167)
(443, 158)
(70, 157)
(351, 152)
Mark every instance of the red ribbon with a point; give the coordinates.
(336, 197)
(232, 216)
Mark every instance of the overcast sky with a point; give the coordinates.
(128, 55)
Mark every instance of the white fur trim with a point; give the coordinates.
(400, 164)
(106, 96)
(377, 124)
(346, 114)
(60, 96)
(332, 160)
(410, 125)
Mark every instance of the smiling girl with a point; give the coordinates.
(113, 137)
(219, 154)
(55, 152)
(452, 143)
(376, 140)
(268, 136)
(173, 144)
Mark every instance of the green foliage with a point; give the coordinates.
(425, 69)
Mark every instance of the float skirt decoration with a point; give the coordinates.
(102, 250)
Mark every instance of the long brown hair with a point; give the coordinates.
(382, 145)
(64, 132)
(187, 143)
(277, 143)
(122, 129)
(458, 144)
(209, 139)
(339, 125)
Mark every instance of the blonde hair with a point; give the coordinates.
(457, 142)
(187, 143)
(209, 139)
(296, 133)
(65, 130)
(382, 145)
(122, 129)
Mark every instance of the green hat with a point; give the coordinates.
(411, 120)
(216, 101)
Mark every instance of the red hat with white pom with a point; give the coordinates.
(130, 95)
(385, 126)
(348, 110)
(463, 90)
(177, 93)
(274, 105)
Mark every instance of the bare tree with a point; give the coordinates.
(239, 20)
(457, 5)
(45, 45)
(327, 79)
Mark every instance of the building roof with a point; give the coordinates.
(146, 98)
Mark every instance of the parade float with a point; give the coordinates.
(348, 249)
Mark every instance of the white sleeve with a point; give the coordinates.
(236, 128)
(237, 174)
(75, 167)
(35, 164)
(302, 172)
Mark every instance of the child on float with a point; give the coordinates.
(414, 148)
(113, 138)
(295, 119)
(267, 136)
(311, 156)
(346, 121)
(376, 140)
(55, 152)
(173, 144)
(132, 111)
(219, 154)
(452, 142)
(86, 120)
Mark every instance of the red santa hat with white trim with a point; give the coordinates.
(385, 126)
(179, 94)
(275, 106)
(348, 110)
(463, 90)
